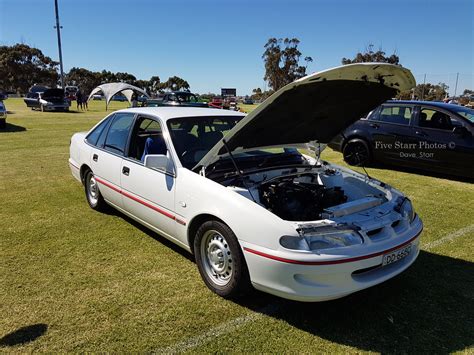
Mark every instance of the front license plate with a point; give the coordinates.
(396, 255)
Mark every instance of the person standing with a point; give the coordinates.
(79, 98)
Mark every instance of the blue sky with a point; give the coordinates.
(214, 44)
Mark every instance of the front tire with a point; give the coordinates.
(220, 260)
(356, 152)
(93, 195)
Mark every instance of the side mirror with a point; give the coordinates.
(160, 162)
(461, 131)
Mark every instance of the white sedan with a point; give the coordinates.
(237, 192)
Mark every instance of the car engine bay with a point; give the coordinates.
(302, 194)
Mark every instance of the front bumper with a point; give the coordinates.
(314, 280)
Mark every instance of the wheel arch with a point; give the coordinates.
(83, 170)
(357, 137)
(195, 223)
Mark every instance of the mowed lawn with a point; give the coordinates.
(83, 281)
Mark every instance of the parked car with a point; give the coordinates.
(119, 97)
(248, 101)
(3, 115)
(431, 136)
(70, 92)
(3, 95)
(286, 223)
(49, 100)
(178, 98)
(216, 102)
(97, 97)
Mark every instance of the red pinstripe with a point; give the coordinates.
(328, 262)
(144, 203)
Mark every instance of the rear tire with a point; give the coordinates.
(93, 196)
(356, 152)
(220, 260)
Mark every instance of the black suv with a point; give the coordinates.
(426, 135)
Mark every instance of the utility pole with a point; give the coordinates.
(456, 86)
(423, 88)
(58, 30)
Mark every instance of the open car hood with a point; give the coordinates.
(314, 108)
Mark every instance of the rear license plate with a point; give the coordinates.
(396, 255)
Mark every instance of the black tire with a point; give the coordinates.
(93, 196)
(209, 237)
(356, 152)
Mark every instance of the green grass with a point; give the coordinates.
(100, 282)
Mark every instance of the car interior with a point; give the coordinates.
(192, 139)
(147, 138)
(435, 119)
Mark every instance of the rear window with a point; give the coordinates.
(93, 137)
(395, 114)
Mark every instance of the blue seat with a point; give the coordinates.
(154, 145)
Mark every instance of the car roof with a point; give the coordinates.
(167, 113)
(431, 103)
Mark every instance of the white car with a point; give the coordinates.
(235, 190)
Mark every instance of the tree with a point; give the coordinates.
(175, 83)
(85, 79)
(369, 55)
(22, 66)
(281, 58)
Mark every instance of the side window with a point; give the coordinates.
(396, 114)
(117, 135)
(147, 139)
(93, 137)
(430, 118)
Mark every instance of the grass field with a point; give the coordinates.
(83, 281)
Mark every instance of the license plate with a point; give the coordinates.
(396, 255)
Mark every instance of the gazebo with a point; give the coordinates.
(111, 89)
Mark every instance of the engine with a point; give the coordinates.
(297, 198)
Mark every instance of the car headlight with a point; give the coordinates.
(406, 209)
(312, 239)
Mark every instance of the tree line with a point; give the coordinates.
(282, 60)
(22, 66)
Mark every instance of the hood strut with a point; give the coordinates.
(237, 169)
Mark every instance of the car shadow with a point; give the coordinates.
(416, 171)
(159, 238)
(23, 335)
(427, 309)
(9, 127)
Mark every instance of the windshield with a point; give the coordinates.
(193, 137)
(465, 112)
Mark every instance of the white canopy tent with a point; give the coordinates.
(111, 89)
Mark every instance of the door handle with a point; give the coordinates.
(95, 157)
(419, 133)
(374, 125)
(125, 170)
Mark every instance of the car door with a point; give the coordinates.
(392, 133)
(106, 157)
(148, 194)
(442, 148)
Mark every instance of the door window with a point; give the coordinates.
(430, 118)
(119, 130)
(147, 139)
(396, 114)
